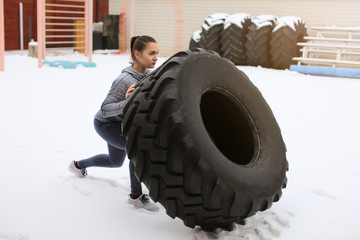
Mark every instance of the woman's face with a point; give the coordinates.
(149, 56)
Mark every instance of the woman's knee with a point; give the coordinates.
(116, 157)
(117, 164)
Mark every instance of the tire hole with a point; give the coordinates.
(227, 123)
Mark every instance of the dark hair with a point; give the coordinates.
(138, 43)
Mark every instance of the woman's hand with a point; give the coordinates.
(130, 90)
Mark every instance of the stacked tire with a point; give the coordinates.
(257, 45)
(211, 32)
(263, 41)
(233, 38)
(209, 151)
(284, 38)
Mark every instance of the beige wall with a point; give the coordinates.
(158, 17)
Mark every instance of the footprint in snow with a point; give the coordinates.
(13, 236)
(324, 194)
(262, 226)
(87, 186)
(160, 211)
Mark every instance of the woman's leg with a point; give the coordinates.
(135, 184)
(114, 159)
(112, 134)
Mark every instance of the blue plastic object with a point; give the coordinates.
(68, 64)
(327, 71)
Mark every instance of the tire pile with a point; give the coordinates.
(264, 40)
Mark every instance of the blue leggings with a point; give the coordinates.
(112, 134)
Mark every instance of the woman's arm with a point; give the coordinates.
(114, 102)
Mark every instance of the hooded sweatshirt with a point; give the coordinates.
(113, 105)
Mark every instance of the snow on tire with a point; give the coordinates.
(284, 38)
(195, 39)
(204, 141)
(257, 45)
(233, 38)
(211, 32)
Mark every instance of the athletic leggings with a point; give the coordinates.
(112, 134)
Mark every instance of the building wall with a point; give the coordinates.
(12, 23)
(161, 18)
(100, 7)
(12, 26)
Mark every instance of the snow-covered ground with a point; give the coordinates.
(46, 121)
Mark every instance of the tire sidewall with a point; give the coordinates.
(264, 175)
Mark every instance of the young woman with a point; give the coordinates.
(107, 122)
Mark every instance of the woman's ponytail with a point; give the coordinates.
(133, 39)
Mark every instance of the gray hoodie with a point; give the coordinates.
(113, 105)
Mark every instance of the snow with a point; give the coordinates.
(261, 24)
(289, 21)
(215, 17)
(46, 121)
(264, 21)
(266, 17)
(32, 43)
(213, 20)
(209, 25)
(196, 35)
(237, 19)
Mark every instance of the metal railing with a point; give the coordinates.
(64, 26)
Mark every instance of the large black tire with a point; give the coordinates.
(211, 32)
(283, 45)
(257, 44)
(233, 38)
(204, 141)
